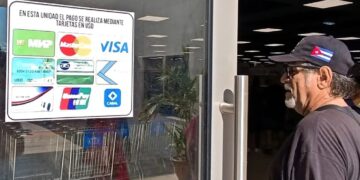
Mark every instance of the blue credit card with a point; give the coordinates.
(32, 70)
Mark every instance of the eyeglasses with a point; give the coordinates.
(291, 70)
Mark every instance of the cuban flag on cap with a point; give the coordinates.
(322, 53)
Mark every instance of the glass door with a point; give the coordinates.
(183, 55)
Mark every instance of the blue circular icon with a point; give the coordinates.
(64, 65)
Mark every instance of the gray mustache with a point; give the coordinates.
(287, 87)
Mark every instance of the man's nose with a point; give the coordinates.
(284, 78)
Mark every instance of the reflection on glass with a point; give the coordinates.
(3, 28)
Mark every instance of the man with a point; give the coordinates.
(326, 142)
(354, 101)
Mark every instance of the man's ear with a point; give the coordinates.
(325, 77)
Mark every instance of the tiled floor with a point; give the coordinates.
(258, 164)
(163, 177)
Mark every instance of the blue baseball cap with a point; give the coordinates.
(320, 51)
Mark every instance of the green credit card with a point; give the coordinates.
(75, 79)
(33, 43)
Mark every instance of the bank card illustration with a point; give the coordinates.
(112, 97)
(75, 45)
(107, 72)
(32, 71)
(74, 66)
(75, 79)
(75, 98)
(75, 72)
(33, 43)
(68, 62)
(32, 99)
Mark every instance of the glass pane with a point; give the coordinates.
(160, 141)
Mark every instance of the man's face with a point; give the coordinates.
(299, 81)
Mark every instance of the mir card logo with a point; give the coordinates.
(71, 45)
(112, 98)
(33, 43)
(75, 98)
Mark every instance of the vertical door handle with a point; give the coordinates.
(240, 108)
(241, 126)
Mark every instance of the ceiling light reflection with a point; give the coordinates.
(198, 39)
(153, 18)
(329, 23)
(243, 42)
(348, 38)
(311, 34)
(277, 52)
(267, 30)
(274, 45)
(158, 45)
(252, 51)
(327, 4)
(156, 36)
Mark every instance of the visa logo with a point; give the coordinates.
(115, 47)
(38, 43)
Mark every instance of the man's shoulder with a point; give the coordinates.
(328, 121)
(325, 117)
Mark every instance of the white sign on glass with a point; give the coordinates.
(68, 62)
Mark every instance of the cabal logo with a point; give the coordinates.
(112, 98)
(114, 47)
(75, 98)
(71, 45)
